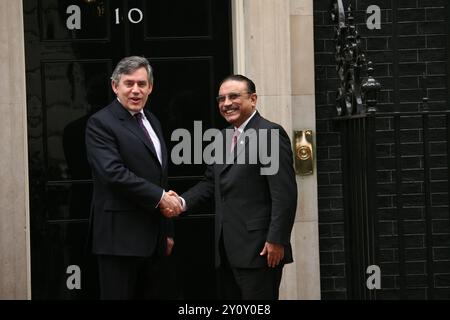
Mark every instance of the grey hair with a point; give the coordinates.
(130, 64)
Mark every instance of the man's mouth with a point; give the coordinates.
(135, 100)
(230, 111)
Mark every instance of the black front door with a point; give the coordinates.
(71, 48)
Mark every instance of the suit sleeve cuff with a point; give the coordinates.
(162, 196)
(183, 204)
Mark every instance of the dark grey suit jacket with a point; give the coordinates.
(250, 208)
(128, 184)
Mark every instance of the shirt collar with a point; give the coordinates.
(133, 112)
(242, 126)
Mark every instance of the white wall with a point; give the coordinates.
(273, 45)
(14, 211)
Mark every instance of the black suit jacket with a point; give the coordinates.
(128, 184)
(250, 208)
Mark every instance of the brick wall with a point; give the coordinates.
(412, 42)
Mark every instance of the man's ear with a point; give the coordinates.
(114, 86)
(254, 98)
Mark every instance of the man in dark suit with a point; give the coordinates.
(128, 158)
(255, 206)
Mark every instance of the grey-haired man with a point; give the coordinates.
(128, 158)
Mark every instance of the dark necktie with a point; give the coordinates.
(234, 139)
(140, 121)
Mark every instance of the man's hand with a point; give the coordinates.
(170, 205)
(169, 246)
(275, 253)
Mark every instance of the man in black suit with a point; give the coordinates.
(128, 158)
(255, 204)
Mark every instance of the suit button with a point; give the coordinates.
(223, 199)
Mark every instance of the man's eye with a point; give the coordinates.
(233, 96)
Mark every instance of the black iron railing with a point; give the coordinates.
(358, 167)
(383, 194)
(357, 124)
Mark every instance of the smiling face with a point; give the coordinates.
(235, 103)
(133, 89)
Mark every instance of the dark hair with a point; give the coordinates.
(130, 64)
(251, 88)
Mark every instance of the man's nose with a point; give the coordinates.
(227, 101)
(135, 88)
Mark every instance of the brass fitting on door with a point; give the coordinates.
(303, 152)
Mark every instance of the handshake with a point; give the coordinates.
(171, 205)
